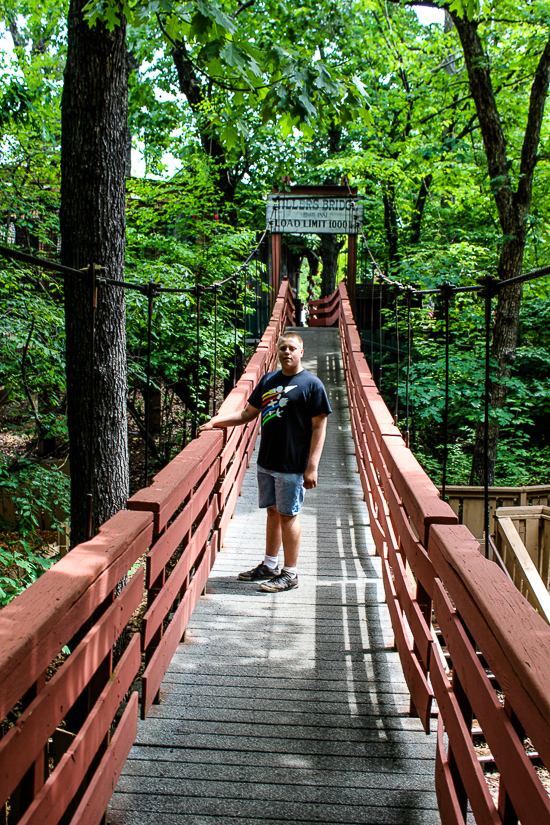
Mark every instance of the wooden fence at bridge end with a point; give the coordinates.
(69, 725)
(475, 654)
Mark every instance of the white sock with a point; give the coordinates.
(270, 561)
(292, 570)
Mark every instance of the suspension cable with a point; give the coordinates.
(447, 292)
(488, 285)
(151, 292)
(396, 415)
(372, 326)
(53, 266)
(83, 275)
(91, 443)
(409, 356)
(215, 350)
(380, 286)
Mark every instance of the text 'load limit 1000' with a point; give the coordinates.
(320, 215)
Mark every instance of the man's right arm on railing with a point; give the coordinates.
(232, 419)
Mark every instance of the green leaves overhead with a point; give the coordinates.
(30, 92)
(470, 8)
(250, 57)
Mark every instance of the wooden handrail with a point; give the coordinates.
(324, 312)
(533, 491)
(468, 503)
(528, 566)
(486, 634)
(179, 523)
(328, 300)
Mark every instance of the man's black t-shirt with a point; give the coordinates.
(288, 403)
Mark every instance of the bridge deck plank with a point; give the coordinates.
(288, 708)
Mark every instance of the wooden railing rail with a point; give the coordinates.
(468, 503)
(324, 312)
(522, 539)
(465, 635)
(69, 725)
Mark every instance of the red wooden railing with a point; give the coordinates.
(325, 312)
(465, 635)
(66, 738)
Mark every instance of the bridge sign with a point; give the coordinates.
(314, 215)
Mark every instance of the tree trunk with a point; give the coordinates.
(503, 350)
(328, 252)
(93, 163)
(416, 223)
(226, 179)
(294, 252)
(513, 209)
(390, 224)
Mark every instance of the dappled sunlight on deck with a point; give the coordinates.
(288, 707)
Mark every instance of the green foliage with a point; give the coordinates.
(313, 91)
(177, 238)
(32, 350)
(524, 446)
(20, 566)
(253, 67)
(33, 489)
(30, 94)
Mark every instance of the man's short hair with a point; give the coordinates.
(290, 335)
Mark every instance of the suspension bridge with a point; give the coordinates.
(358, 697)
(289, 709)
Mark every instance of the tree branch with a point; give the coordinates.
(18, 41)
(141, 427)
(180, 52)
(243, 6)
(470, 127)
(416, 222)
(41, 429)
(481, 87)
(531, 141)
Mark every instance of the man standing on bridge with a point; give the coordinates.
(294, 408)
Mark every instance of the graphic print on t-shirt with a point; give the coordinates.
(273, 402)
(288, 404)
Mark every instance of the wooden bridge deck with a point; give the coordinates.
(290, 707)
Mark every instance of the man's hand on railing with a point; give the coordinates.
(236, 419)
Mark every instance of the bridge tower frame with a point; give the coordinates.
(322, 192)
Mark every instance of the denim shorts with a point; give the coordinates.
(283, 490)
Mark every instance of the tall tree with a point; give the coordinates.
(30, 91)
(511, 155)
(241, 66)
(512, 186)
(93, 160)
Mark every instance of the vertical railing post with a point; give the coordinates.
(372, 326)
(150, 299)
(487, 294)
(409, 357)
(194, 427)
(92, 269)
(466, 710)
(257, 304)
(245, 278)
(396, 414)
(447, 291)
(215, 349)
(380, 339)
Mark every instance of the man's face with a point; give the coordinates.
(290, 356)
